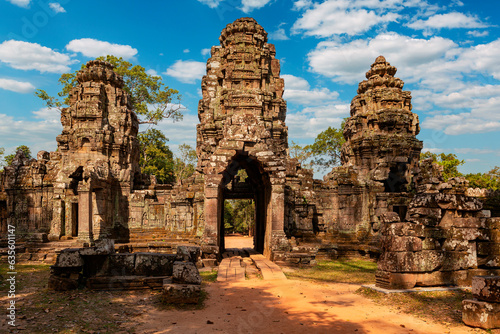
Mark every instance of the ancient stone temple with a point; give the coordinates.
(242, 126)
(382, 202)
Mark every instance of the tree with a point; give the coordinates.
(300, 153)
(326, 148)
(156, 157)
(2, 151)
(152, 101)
(449, 161)
(185, 162)
(26, 150)
(489, 180)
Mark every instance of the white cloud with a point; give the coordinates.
(211, 3)
(347, 62)
(32, 56)
(187, 71)
(449, 21)
(279, 35)
(302, 4)
(476, 33)
(20, 3)
(336, 17)
(249, 5)
(206, 52)
(458, 124)
(56, 7)
(38, 135)
(482, 58)
(297, 90)
(16, 86)
(186, 51)
(90, 47)
(152, 72)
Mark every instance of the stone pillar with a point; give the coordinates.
(85, 214)
(211, 234)
(275, 233)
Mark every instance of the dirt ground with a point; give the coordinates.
(251, 306)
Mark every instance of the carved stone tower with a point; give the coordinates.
(98, 151)
(381, 131)
(242, 126)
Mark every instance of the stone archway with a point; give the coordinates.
(256, 187)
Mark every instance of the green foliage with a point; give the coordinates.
(489, 180)
(9, 158)
(156, 157)
(152, 101)
(325, 151)
(449, 161)
(239, 215)
(185, 162)
(300, 153)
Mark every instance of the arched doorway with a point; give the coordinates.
(254, 186)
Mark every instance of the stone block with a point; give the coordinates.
(481, 314)
(404, 262)
(488, 248)
(181, 293)
(486, 288)
(154, 264)
(69, 258)
(188, 253)
(120, 265)
(101, 247)
(185, 273)
(402, 244)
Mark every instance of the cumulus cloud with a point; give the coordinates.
(16, 86)
(336, 17)
(20, 3)
(297, 90)
(152, 72)
(211, 3)
(187, 71)
(38, 135)
(463, 123)
(347, 62)
(32, 56)
(476, 33)
(90, 47)
(250, 5)
(448, 21)
(279, 35)
(206, 52)
(56, 7)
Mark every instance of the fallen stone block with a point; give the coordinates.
(186, 273)
(58, 283)
(69, 258)
(188, 253)
(181, 293)
(481, 314)
(486, 288)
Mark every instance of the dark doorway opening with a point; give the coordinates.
(246, 188)
(396, 181)
(74, 219)
(401, 211)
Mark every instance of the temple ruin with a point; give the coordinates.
(382, 202)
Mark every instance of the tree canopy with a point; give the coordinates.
(152, 101)
(155, 156)
(449, 161)
(185, 162)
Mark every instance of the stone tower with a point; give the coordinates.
(98, 153)
(242, 126)
(380, 134)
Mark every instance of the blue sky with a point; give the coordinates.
(446, 52)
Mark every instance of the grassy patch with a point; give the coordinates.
(341, 271)
(209, 276)
(440, 306)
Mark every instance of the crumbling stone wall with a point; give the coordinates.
(445, 238)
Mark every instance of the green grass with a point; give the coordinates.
(340, 271)
(209, 276)
(440, 306)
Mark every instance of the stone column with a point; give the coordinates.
(211, 234)
(276, 222)
(85, 214)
